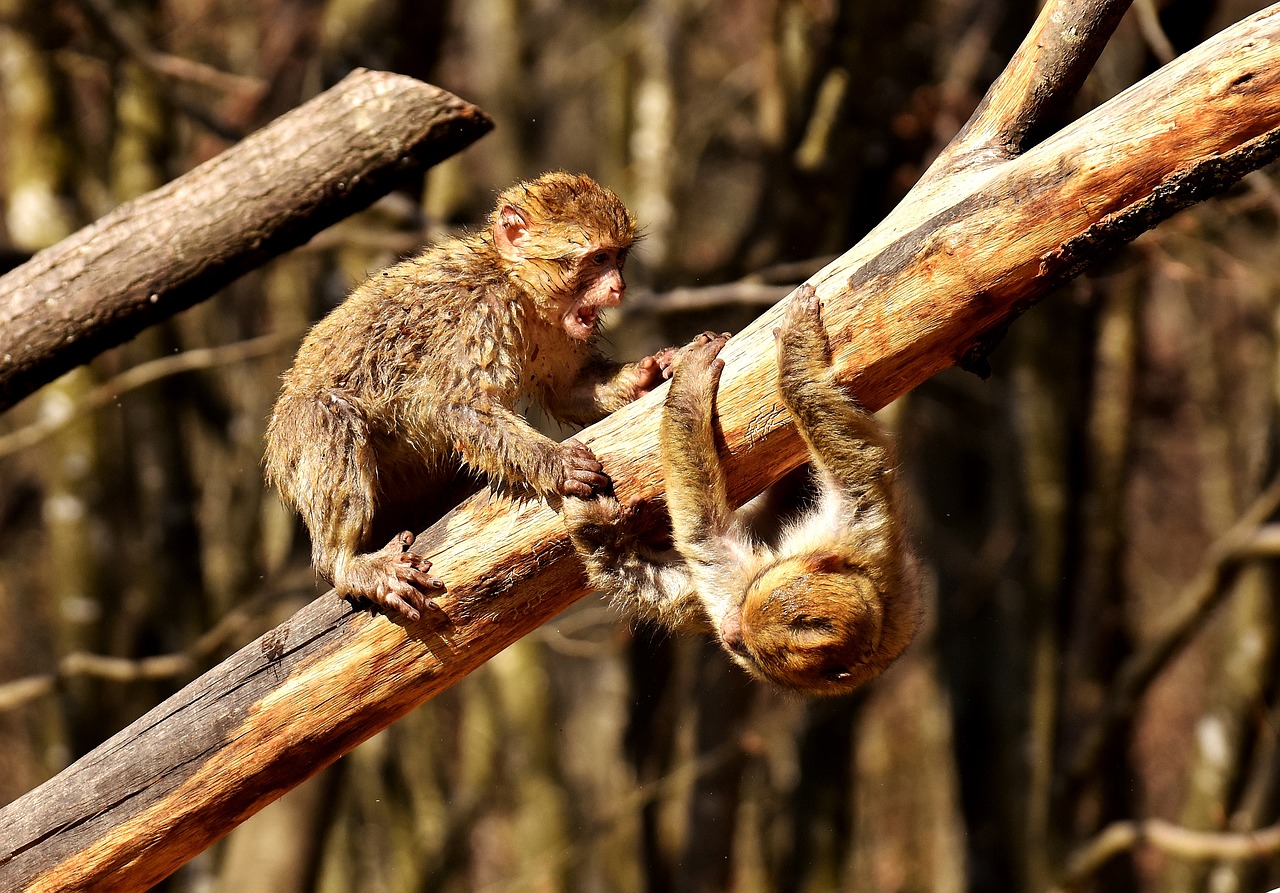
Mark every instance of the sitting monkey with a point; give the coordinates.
(420, 375)
(829, 605)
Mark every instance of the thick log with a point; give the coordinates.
(166, 250)
(957, 260)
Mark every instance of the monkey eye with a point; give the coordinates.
(600, 258)
(835, 674)
(809, 622)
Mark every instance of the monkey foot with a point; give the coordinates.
(401, 582)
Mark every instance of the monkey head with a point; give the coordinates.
(564, 239)
(809, 622)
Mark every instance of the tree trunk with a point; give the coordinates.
(987, 232)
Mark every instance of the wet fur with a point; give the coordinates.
(826, 605)
(417, 376)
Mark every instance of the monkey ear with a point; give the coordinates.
(511, 232)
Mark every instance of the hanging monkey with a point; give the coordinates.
(829, 604)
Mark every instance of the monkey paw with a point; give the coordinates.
(651, 372)
(599, 527)
(705, 341)
(698, 367)
(402, 583)
(802, 330)
(582, 475)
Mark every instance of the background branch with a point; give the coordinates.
(1171, 839)
(1188, 614)
(175, 246)
(1035, 89)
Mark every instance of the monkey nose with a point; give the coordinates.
(731, 633)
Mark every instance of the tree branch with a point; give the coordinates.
(912, 298)
(1187, 615)
(1036, 86)
(1171, 839)
(177, 245)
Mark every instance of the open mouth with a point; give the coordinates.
(582, 321)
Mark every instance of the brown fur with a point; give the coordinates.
(418, 375)
(829, 605)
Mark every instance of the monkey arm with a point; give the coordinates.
(848, 445)
(853, 456)
(603, 386)
(638, 579)
(707, 532)
(492, 439)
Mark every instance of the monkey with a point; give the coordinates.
(416, 379)
(827, 604)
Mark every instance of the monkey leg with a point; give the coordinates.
(333, 474)
(639, 580)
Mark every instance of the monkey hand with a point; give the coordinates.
(402, 584)
(651, 372)
(697, 367)
(582, 475)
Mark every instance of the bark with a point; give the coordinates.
(957, 261)
(177, 245)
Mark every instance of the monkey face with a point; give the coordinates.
(598, 284)
(808, 628)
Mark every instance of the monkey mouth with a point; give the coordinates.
(581, 322)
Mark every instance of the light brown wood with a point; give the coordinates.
(963, 256)
(177, 245)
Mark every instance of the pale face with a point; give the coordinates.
(600, 285)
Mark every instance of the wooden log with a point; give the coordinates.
(166, 250)
(959, 259)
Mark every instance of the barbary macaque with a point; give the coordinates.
(836, 598)
(420, 372)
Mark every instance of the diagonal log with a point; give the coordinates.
(177, 245)
(958, 260)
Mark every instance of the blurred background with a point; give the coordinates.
(1096, 518)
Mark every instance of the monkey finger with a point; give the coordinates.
(577, 446)
(717, 368)
(389, 599)
(574, 487)
(659, 365)
(415, 571)
(597, 480)
(704, 354)
(703, 337)
(651, 372)
(804, 307)
(422, 581)
(577, 455)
